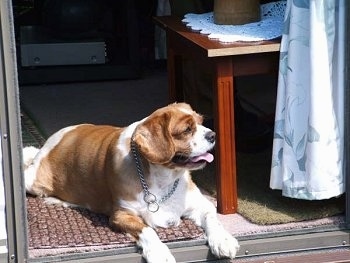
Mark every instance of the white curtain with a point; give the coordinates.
(307, 161)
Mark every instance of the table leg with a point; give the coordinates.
(225, 128)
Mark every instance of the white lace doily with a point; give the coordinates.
(269, 27)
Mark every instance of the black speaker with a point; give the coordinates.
(72, 18)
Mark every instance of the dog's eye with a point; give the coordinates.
(188, 130)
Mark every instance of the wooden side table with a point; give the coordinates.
(228, 61)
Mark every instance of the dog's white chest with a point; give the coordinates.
(168, 215)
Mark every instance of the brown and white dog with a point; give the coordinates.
(138, 176)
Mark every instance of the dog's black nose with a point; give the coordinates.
(210, 136)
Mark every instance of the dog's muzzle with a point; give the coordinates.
(199, 160)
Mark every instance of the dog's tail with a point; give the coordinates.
(29, 154)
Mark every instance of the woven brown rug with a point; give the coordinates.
(54, 226)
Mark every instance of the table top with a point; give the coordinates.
(214, 48)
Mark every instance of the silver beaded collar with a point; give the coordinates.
(149, 198)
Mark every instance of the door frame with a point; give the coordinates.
(15, 193)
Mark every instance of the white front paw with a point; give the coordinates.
(158, 254)
(222, 244)
(153, 250)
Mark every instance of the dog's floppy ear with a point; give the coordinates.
(154, 140)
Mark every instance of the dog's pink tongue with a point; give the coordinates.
(207, 157)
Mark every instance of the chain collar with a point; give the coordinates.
(148, 197)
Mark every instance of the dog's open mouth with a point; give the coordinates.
(193, 161)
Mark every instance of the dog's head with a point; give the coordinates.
(175, 137)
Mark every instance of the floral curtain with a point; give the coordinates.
(307, 158)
